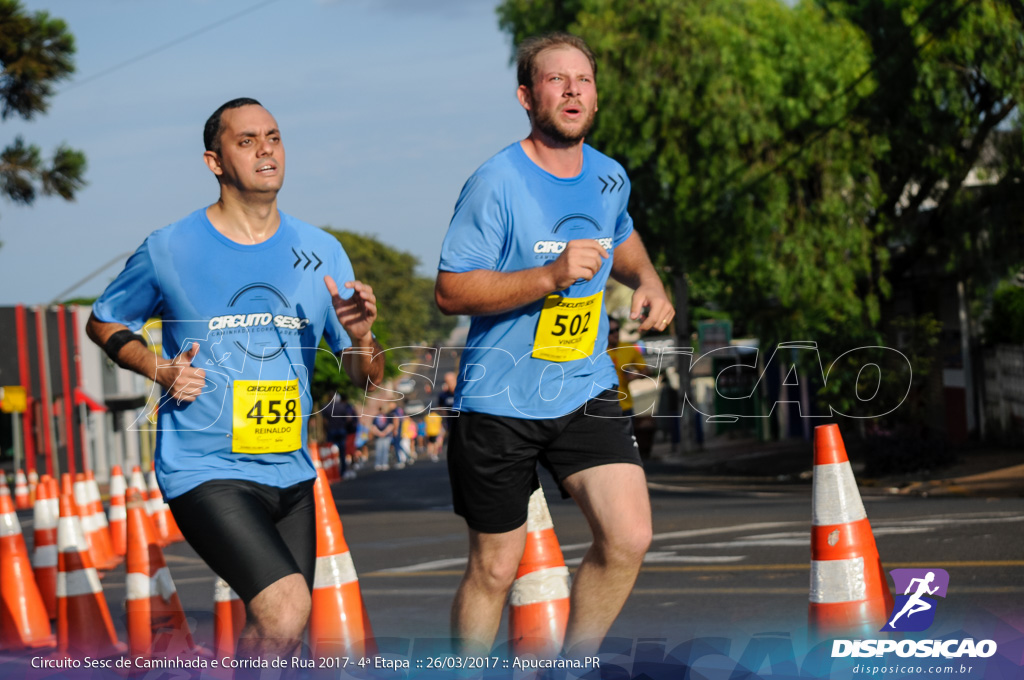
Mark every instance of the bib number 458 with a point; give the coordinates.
(274, 414)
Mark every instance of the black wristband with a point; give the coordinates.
(118, 340)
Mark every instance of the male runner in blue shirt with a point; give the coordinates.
(245, 293)
(536, 232)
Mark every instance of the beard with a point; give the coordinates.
(547, 123)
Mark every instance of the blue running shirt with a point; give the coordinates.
(258, 313)
(547, 358)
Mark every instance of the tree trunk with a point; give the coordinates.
(684, 356)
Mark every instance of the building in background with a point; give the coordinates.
(80, 411)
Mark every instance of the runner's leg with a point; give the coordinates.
(614, 500)
(276, 619)
(490, 572)
(262, 541)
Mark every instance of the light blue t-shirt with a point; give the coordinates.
(513, 215)
(258, 313)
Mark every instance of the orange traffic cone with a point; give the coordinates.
(99, 520)
(167, 529)
(85, 518)
(44, 553)
(327, 459)
(228, 619)
(117, 514)
(138, 482)
(338, 624)
(21, 495)
(154, 505)
(33, 482)
(539, 598)
(84, 627)
(849, 591)
(54, 499)
(335, 471)
(67, 487)
(23, 620)
(314, 454)
(156, 621)
(323, 455)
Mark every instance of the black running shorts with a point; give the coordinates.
(492, 460)
(250, 534)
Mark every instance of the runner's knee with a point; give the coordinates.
(625, 547)
(281, 610)
(496, 574)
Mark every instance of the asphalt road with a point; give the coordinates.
(726, 560)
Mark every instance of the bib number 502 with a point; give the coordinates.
(579, 323)
(273, 414)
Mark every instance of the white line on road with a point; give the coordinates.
(427, 566)
(795, 539)
(673, 488)
(892, 527)
(745, 591)
(655, 557)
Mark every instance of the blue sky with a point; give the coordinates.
(385, 106)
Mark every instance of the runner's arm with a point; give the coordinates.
(177, 376)
(364, 362)
(482, 291)
(632, 267)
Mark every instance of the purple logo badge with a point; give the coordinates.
(915, 609)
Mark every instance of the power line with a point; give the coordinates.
(64, 293)
(166, 46)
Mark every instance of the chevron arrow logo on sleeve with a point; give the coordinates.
(300, 255)
(611, 184)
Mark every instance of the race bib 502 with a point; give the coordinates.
(567, 328)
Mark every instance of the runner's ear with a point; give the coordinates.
(212, 161)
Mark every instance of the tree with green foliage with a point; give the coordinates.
(1006, 325)
(35, 52)
(407, 316)
(794, 162)
(949, 79)
(950, 76)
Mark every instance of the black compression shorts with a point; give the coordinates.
(492, 460)
(250, 534)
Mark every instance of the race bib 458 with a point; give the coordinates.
(266, 416)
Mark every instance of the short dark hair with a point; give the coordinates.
(529, 49)
(211, 131)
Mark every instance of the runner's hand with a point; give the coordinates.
(581, 259)
(652, 299)
(182, 382)
(358, 312)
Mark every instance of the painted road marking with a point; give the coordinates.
(747, 591)
(668, 554)
(719, 568)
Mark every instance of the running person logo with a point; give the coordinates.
(914, 610)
